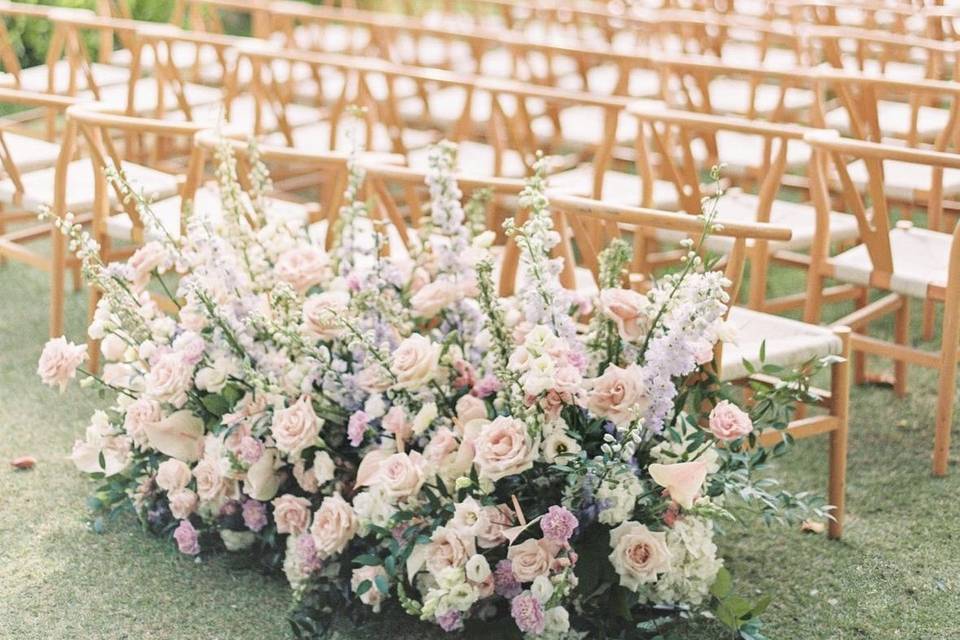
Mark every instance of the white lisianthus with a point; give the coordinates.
(477, 569)
(323, 467)
(375, 406)
(542, 588)
(427, 414)
(559, 445)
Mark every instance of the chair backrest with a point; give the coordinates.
(588, 226)
(672, 136)
(905, 56)
(18, 98)
(874, 215)
(861, 96)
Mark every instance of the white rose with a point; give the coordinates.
(169, 379)
(113, 347)
(322, 313)
(434, 297)
(237, 540)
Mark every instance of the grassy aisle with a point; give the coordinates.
(895, 575)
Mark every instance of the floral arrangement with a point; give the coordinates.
(394, 434)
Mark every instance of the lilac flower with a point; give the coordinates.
(527, 612)
(505, 583)
(254, 515)
(558, 524)
(356, 427)
(186, 537)
(450, 620)
(306, 551)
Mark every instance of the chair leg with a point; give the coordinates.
(860, 358)
(948, 377)
(58, 267)
(840, 408)
(77, 277)
(929, 319)
(901, 336)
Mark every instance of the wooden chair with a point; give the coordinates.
(759, 153)
(787, 343)
(35, 174)
(902, 260)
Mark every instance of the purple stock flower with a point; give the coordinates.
(186, 537)
(450, 620)
(486, 386)
(307, 554)
(527, 612)
(558, 524)
(356, 427)
(505, 583)
(254, 515)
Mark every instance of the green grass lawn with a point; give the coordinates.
(896, 574)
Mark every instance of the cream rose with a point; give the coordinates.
(173, 475)
(183, 503)
(729, 422)
(530, 559)
(492, 524)
(629, 310)
(415, 362)
(618, 395)
(447, 549)
(59, 362)
(302, 267)
(322, 312)
(334, 525)
(179, 435)
(323, 467)
(169, 379)
(296, 427)
(401, 475)
(140, 413)
(470, 408)
(504, 448)
(292, 514)
(211, 483)
(638, 555)
(433, 298)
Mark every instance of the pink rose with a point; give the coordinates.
(629, 310)
(296, 427)
(682, 480)
(321, 314)
(372, 597)
(504, 448)
(292, 514)
(618, 395)
(59, 362)
(433, 298)
(729, 422)
(415, 362)
(442, 444)
(302, 267)
(470, 408)
(531, 559)
(334, 525)
(144, 260)
(211, 483)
